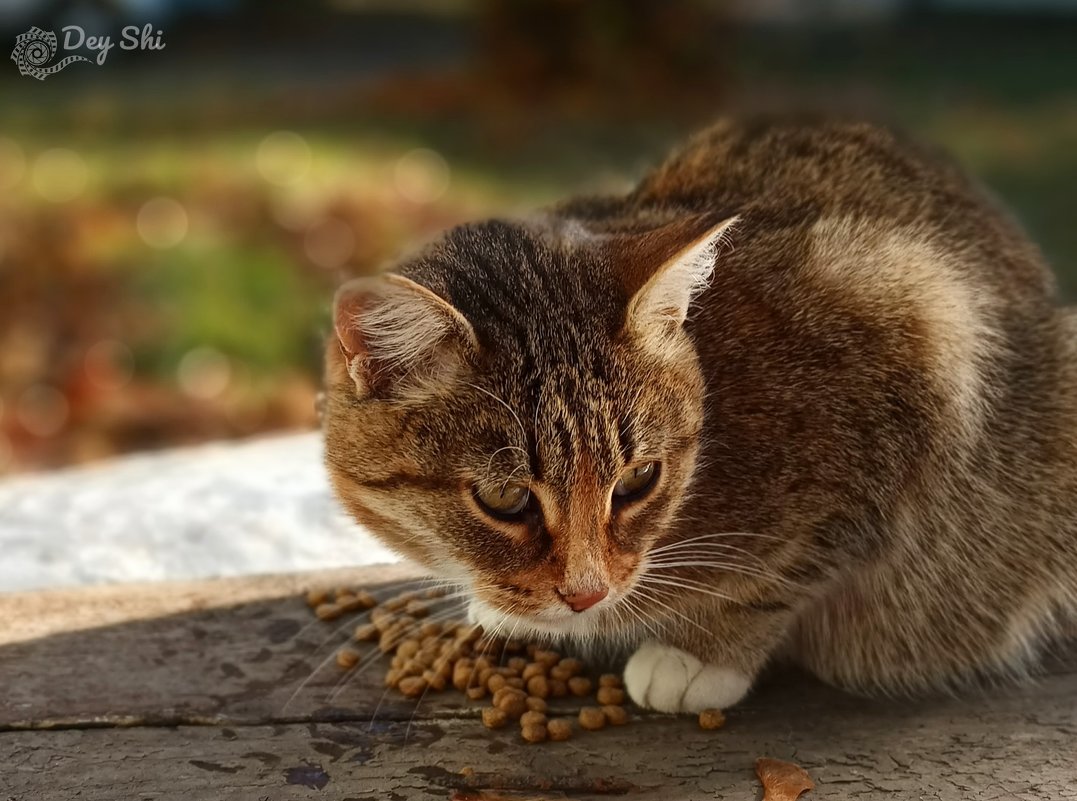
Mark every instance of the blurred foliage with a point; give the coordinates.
(172, 228)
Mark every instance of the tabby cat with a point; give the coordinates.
(805, 390)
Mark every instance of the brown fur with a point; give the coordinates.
(870, 413)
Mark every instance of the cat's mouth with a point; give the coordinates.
(554, 621)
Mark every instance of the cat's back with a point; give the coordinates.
(812, 185)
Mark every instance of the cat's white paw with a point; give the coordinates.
(668, 679)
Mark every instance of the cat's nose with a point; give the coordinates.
(580, 601)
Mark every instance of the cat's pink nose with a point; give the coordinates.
(580, 601)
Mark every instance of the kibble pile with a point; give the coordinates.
(517, 678)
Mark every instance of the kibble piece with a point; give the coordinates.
(367, 600)
(382, 618)
(469, 634)
(533, 669)
(348, 658)
(609, 680)
(393, 678)
(432, 629)
(476, 693)
(435, 592)
(351, 603)
(513, 705)
(615, 715)
(592, 718)
(518, 664)
(316, 598)
(395, 604)
(559, 729)
(467, 771)
(558, 688)
(407, 648)
(494, 718)
(538, 686)
(782, 781)
(496, 682)
(535, 704)
(547, 658)
(367, 632)
(534, 732)
(514, 647)
(711, 719)
(389, 640)
(328, 612)
(461, 675)
(531, 716)
(560, 673)
(417, 608)
(579, 686)
(515, 682)
(610, 695)
(412, 686)
(435, 680)
(572, 665)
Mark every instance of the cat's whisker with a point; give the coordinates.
(490, 461)
(716, 536)
(650, 596)
(689, 586)
(726, 567)
(628, 604)
(516, 417)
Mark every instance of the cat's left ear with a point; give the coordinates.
(665, 269)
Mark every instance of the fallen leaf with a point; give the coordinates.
(782, 781)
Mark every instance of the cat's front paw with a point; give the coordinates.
(668, 679)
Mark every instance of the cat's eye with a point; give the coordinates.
(635, 481)
(505, 501)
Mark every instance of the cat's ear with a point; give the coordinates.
(399, 340)
(664, 269)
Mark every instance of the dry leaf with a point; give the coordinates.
(782, 781)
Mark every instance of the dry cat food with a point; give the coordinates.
(711, 719)
(518, 681)
(782, 781)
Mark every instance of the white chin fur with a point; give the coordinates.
(586, 625)
(668, 679)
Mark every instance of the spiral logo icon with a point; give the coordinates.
(36, 48)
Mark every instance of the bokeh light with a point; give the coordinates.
(296, 211)
(421, 176)
(42, 410)
(283, 158)
(204, 373)
(330, 243)
(59, 175)
(12, 163)
(162, 222)
(109, 364)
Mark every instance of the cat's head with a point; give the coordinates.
(518, 408)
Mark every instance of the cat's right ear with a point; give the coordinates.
(399, 340)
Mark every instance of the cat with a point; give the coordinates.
(806, 391)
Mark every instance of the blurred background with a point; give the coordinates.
(173, 222)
